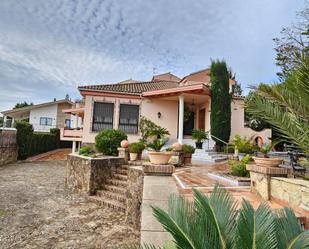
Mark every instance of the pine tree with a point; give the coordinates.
(220, 116)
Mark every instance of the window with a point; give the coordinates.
(46, 121)
(103, 114)
(128, 118)
(67, 123)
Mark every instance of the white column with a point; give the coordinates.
(4, 121)
(180, 118)
(13, 122)
(74, 147)
(208, 112)
(75, 121)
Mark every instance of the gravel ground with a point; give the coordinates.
(37, 212)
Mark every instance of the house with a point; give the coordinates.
(164, 100)
(42, 116)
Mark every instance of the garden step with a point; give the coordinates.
(122, 171)
(115, 189)
(115, 182)
(108, 203)
(124, 166)
(111, 195)
(120, 177)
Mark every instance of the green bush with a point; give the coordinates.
(85, 151)
(23, 135)
(40, 142)
(243, 144)
(238, 168)
(137, 147)
(150, 129)
(188, 149)
(108, 141)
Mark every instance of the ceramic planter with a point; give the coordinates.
(133, 156)
(199, 145)
(187, 158)
(159, 157)
(267, 162)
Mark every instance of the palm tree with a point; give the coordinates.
(215, 223)
(285, 105)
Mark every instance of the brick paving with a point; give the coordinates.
(59, 154)
(36, 211)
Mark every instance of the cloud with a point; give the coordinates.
(61, 44)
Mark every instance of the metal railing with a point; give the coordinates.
(216, 138)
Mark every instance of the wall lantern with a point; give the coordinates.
(159, 114)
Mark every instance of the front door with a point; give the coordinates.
(188, 125)
(201, 119)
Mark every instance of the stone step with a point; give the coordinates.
(122, 171)
(111, 195)
(116, 182)
(122, 177)
(124, 166)
(108, 203)
(115, 189)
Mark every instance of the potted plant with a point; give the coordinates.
(155, 153)
(199, 136)
(242, 146)
(266, 161)
(141, 146)
(187, 150)
(134, 149)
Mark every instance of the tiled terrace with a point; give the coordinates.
(196, 176)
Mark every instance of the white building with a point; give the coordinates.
(43, 117)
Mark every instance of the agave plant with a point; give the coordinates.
(286, 105)
(214, 222)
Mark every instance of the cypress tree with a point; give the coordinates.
(220, 116)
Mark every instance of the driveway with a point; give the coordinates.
(36, 211)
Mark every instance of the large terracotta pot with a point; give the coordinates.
(133, 156)
(159, 157)
(267, 162)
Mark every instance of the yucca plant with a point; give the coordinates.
(285, 105)
(214, 222)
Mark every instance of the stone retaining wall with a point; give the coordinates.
(86, 175)
(134, 195)
(293, 191)
(8, 146)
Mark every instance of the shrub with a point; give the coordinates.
(24, 132)
(238, 168)
(243, 144)
(108, 141)
(199, 135)
(188, 149)
(137, 147)
(150, 129)
(85, 151)
(40, 142)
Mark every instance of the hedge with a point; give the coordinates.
(32, 143)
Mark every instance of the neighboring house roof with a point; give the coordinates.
(131, 88)
(166, 76)
(128, 81)
(30, 107)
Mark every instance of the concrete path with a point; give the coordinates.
(157, 189)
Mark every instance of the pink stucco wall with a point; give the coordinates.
(169, 116)
(238, 123)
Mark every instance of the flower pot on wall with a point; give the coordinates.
(267, 162)
(199, 145)
(159, 157)
(133, 156)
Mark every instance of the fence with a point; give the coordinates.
(8, 146)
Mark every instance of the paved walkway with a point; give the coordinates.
(36, 211)
(157, 190)
(58, 154)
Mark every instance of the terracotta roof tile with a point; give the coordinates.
(131, 88)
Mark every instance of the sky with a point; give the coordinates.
(48, 48)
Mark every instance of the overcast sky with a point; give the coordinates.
(48, 48)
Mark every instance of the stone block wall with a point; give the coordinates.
(87, 175)
(8, 146)
(293, 191)
(134, 196)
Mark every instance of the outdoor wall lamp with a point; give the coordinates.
(159, 114)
